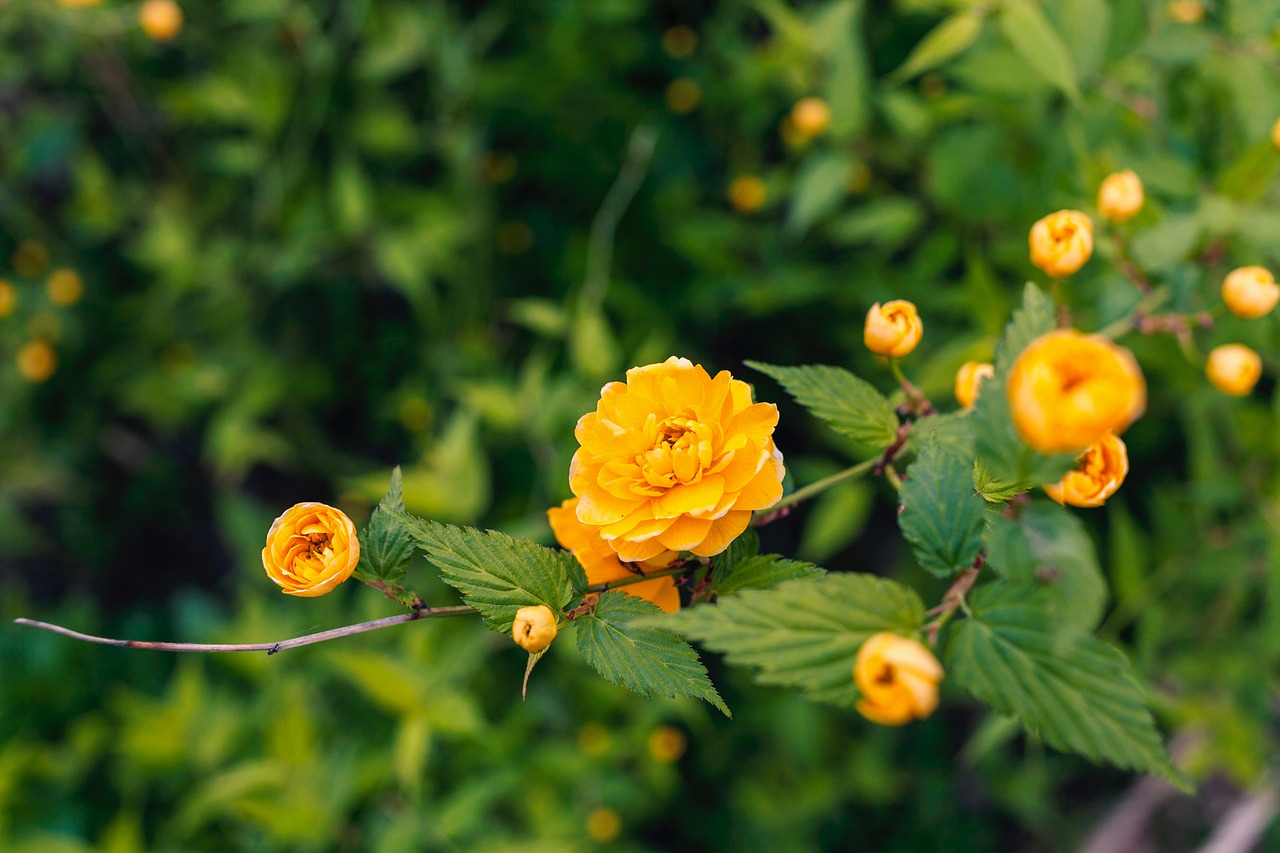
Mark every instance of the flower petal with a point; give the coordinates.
(723, 531)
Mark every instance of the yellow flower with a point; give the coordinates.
(747, 193)
(898, 679)
(311, 548)
(1097, 475)
(673, 460)
(1186, 11)
(1068, 390)
(160, 19)
(893, 329)
(8, 298)
(601, 563)
(37, 361)
(969, 381)
(1120, 197)
(603, 824)
(534, 628)
(1233, 369)
(1061, 242)
(810, 116)
(1250, 292)
(64, 287)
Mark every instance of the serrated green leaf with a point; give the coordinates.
(995, 490)
(746, 546)
(641, 657)
(952, 432)
(948, 39)
(847, 404)
(941, 517)
(1085, 699)
(1040, 46)
(1049, 546)
(763, 571)
(385, 546)
(496, 574)
(803, 633)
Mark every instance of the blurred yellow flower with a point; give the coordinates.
(8, 298)
(1186, 11)
(810, 116)
(1250, 292)
(37, 361)
(673, 460)
(969, 381)
(1120, 197)
(64, 287)
(604, 824)
(161, 20)
(79, 4)
(898, 679)
(1233, 369)
(1061, 242)
(311, 548)
(667, 744)
(893, 329)
(1067, 390)
(1097, 475)
(679, 42)
(1275, 133)
(747, 193)
(683, 96)
(534, 628)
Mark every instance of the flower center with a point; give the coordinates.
(886, 675)
(682, 450)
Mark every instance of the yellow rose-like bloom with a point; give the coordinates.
(311, 548)
(534, 628)
(810, 116)
(601, 563)
(673, 460)
(1097, 475)
(893, 329)
(1120, 197)
(1250, 292)
(160, 19)
(1068, 390)
(898, 679)
(1061, 242)
(1233, 369)
(37, 361)
(969, 381)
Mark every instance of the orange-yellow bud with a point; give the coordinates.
(37, 361)
(1120, 197)
(8, 298)
(1061, 242)
(747, 193)
(893, 329)
(1233, 369)
(64, 287)
(1186, 11)
(1067, 390)
(810, 116)
(534, 628)
(160, 19)
(1097, 475)
(1250, 292)
(969, 381)
(311, 548)
(898, 679)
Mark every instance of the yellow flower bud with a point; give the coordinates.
(747, 193)
(161, 20)
(893, 329)
(311, 548)
(898, 679)
(1067, 390)
(1120, 197)
(64, 287)
(1186, 11)
(810, 116)
(1233, 369)
(534, 628)
(1097, 475)
(8, 298)
(37, 361)
(1061, 242)
(1250, 292)
(969, 381)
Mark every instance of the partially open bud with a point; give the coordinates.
(534, 628)
(893, 329)
(1120, 197)
(1097, 475)
(898, 679)
(1233, 369)
(1250, 292)
(969, 381)
(1061, 242)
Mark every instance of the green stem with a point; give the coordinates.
(1145, 305)
(822, 485)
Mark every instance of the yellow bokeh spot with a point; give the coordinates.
(513, 238)
(810, 116)
(747, 193)
(679, 42)
(37, 361)
(683, 96)
(8, 298)
(79, 4)
(1186, 11)
(64, 287)
(415, 413)
(161, 20)
(604, 824)
(594, 739)
(30, 259)
(667, 744)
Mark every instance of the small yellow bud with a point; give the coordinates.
(683, 96)
(898, 679)
(969, 381)
(534, 628)
(37, 361)
(747, 193)
(810, 116)
(1233, 369)
(64, 287)
(894, 329)
(1186, 11)
(1097, 475)
(161, 20)
(679, 42)
(8, 298)
(666, 744)
(1061, 242)
(1250, 292)
(1120, 197)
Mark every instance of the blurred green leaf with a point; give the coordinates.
(948, 39)
(1036, 41)
(819, 188)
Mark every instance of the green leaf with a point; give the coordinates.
(1085, 699)
(746, 546)
(385, 546)
(495, 573)
(1048, 545)
(803, 633)
(941, 518)
(763, 571)
(847, 404)
(640, 657)
(952, 432)
(948, 39)
(993, 489)
(819, 189)
(1036, 41)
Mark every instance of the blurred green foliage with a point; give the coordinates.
(320, 239)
